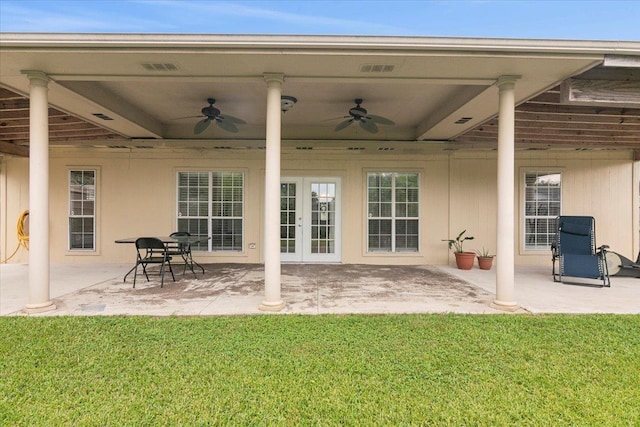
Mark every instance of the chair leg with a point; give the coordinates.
(171, 270)
(135, 274)
(188, 261)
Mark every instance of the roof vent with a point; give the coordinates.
(223, 147)
(355, 148)
(102, 116)
(117, 146)
(377, 68)
(386, 148)
(159, 67)
(304, 148)
(463, 120)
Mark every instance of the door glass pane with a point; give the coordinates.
(323, 206)
(288, 217)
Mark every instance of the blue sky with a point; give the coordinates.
(588, 20)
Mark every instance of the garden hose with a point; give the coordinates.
(23, 238)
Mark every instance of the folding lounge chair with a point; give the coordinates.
(574, 249)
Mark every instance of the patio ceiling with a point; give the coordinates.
(119, 90)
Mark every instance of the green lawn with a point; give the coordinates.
(321, 370)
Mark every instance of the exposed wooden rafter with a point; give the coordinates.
(63, 127)
(545, 122)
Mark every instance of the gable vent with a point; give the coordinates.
(377, 68)
(159, 67)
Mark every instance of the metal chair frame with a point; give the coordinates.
(580, 232)
(151, 250)
(183, 249)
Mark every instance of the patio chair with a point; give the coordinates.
(574, 249)
(151, 250)
(183, 249)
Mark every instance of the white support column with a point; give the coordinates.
(505, 277)
(39, 281)
(271, 245)
(635, 195)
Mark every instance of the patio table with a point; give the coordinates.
(192, 240)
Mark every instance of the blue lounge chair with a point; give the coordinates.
(575, 250)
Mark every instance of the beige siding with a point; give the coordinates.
(136, 196)
(14, 199)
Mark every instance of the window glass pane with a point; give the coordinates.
(542, 205)
(82, 209)
(392, 197)
(211, 204)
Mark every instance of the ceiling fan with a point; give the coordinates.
(368, 122)
(212, 114)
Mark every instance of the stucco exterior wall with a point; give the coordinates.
(136, 195)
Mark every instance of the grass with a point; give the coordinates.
(321, 370)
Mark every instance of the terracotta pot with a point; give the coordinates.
(464, 260)
(485, 262)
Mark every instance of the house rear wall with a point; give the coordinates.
(136, 196)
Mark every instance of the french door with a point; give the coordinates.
(310, 220)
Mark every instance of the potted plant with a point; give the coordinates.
(464, 260)
(485, 259)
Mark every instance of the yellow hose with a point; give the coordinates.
(23, 238)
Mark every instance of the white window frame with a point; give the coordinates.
(523, 205)
(71, 214)
(394, 218)
(210, 217)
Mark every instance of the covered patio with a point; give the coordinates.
(246, 139)
(234, 289)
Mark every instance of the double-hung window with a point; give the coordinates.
(542, 205)
(82, 210)
(392, 212)
(211, 204)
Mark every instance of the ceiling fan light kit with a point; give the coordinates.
(287, 102)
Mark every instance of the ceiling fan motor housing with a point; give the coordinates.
(210, 111)
(357, 112)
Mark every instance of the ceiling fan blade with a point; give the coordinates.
(201, 125)
(343, 124)
(336, 118)
(380, 120)
(232, 119)
(226, 125)
(369, 126)
(187, 117)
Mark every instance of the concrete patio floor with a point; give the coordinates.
(229, 289)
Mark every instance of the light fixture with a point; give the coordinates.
(286, 102)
